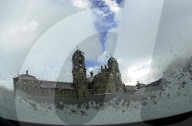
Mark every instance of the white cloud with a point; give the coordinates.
(95, 70)
(27, 27)
(103, 58)
(84, 4)
(55, 46)
(112, 5)
(3, 82)
(138, 30)
(7, 83)
(135, 71)
(139, 71)
(20, 34)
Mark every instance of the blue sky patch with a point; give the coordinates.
(105, 21)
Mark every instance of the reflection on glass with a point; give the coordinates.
(95, 62)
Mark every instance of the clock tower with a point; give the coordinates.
(79, 74)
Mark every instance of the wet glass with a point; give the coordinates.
(95, 62)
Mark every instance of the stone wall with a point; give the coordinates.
(33, 87)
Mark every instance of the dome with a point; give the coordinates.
(112, 61)
(27, 77)
(77, 53)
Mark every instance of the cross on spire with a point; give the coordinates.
(27, 72)
(77, 47)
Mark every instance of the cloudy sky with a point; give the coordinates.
(144, 36)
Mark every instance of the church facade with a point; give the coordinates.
(108, 80)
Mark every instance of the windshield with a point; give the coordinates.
(95, 62)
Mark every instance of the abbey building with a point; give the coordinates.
(108, 80)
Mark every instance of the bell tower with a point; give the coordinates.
(115, 81)
(79, 74)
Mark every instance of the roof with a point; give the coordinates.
(27, 77)
(128, 87)
(77, 53)
(47, 84)
(156, 83)
(112, 59)
(56, 85)
(64, 85)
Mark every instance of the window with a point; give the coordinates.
(80, 62)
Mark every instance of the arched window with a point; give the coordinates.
(80, 62)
